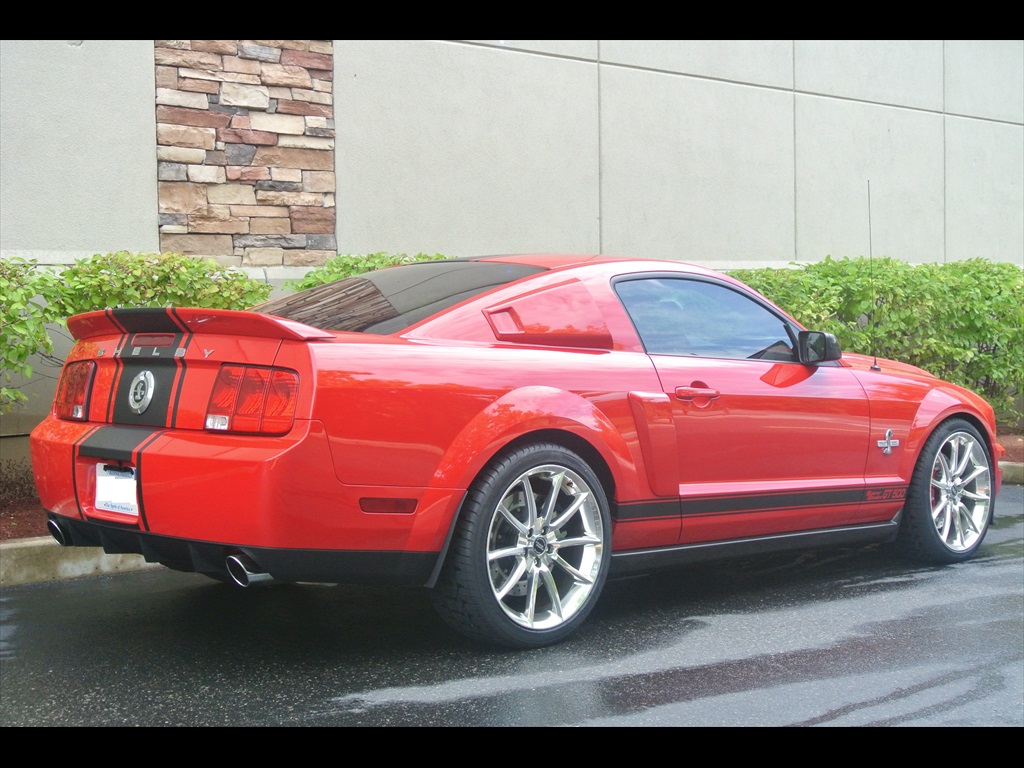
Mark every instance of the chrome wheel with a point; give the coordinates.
(531, 550)
(949, 502)
(544, 547)
(960, 491)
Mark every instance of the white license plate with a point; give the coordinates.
(116, 489)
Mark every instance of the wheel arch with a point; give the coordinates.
(594, 439)
(940, 406)
(988, 435)
(537, 413)
(577, 445)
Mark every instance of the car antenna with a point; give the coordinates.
(871, 280)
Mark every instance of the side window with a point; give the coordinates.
(676, 316)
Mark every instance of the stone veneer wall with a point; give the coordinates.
(245, 150)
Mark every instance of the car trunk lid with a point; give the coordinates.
(157, 367)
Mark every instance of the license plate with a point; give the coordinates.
(116, 489)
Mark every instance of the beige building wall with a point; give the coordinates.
(77, 148)
(728, 153)
(724, 153)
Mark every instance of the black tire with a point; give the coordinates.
(949, 503)
(530, 552)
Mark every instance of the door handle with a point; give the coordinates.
(691, 393)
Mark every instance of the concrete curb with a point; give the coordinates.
(41, 560)
(1013, 472)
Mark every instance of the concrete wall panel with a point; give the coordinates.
(984, 193)
(77, 148)
(579, 49)
(762, 62)
(458, 149)
(695, 170)
(844, 145)
(985, 78)
(898, 72)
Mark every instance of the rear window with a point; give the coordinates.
(393, 299)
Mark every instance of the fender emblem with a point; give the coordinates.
(888, 444)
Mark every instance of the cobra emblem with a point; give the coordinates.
(140, 393)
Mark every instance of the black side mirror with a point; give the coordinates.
(817, 347)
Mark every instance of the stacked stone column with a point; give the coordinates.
(245, 150)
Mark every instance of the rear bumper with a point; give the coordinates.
(284, 565)
(201, 495)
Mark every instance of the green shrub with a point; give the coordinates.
(349, 265)
(32, 296)
(961, 321)
(125, 279)
(23, 317)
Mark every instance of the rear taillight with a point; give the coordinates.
(252, 399)
(72, 398)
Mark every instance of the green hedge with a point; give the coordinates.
(23, 318)
(125, 279)
(32, 296)
(962, 321)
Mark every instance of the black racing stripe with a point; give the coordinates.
(182, 366)
(115, 443)
(74, 456)
(155, 415)
(146, 320)
(176, 319)
(648, 509)
(121, 341)
(183, 343)
(113, 319)
(772, 501)
(138, 478)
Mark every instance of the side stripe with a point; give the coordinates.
(763, 502)
(772, 501)
(645, 510)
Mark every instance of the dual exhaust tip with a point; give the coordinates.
(59, 534)
(245, 572)
(242, 569)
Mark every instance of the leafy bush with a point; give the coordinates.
(23, 317)
(349, 265)
(961, 321)
(125, 279)
(32, 296)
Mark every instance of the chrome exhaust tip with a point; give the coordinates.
(58, 533)
(245, 572)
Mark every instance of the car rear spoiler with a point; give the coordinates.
(228, 322)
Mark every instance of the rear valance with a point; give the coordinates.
(188, 320)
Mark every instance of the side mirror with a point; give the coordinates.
(817, 347)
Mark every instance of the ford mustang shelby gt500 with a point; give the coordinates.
(507, 431)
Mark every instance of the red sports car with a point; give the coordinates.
(507, 431)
